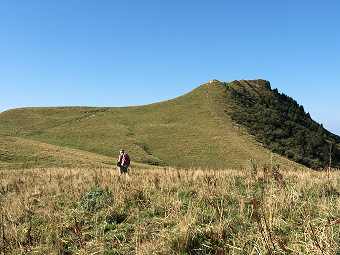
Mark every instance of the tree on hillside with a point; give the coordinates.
(282, 125)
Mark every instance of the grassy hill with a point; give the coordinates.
(70, 202)
(191, 131)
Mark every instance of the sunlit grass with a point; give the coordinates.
(190, 131)
(169, 211)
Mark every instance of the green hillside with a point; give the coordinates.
(194, 130)
(281, 124)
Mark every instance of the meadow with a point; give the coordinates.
(191, 131)
(163, 210)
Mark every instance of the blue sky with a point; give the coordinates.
(121, 53)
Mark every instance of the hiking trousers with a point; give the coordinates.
(123, 169)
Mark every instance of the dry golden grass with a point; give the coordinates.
(169, 211)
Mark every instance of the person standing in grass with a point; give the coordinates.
(123, 163)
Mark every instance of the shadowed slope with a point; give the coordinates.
(281, 124)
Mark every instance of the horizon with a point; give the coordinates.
(117, 54)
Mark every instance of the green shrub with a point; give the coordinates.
(93, 200)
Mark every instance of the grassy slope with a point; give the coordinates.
(190, 131)
(17, 152)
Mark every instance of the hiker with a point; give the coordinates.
(123, 163)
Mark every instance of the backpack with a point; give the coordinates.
(126, 160)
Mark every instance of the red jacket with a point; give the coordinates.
(124, 160)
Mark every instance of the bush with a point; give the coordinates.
(92, 201)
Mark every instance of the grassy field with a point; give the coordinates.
(252, 210)
(190, 131)
(60, 192)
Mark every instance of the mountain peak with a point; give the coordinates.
(213, 80)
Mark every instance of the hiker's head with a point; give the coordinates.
(121, 151)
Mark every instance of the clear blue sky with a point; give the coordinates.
(120, 53)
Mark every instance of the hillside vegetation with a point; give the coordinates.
(207, 177)
(281, 124)
(198, 129)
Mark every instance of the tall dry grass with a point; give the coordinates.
(169, 211)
